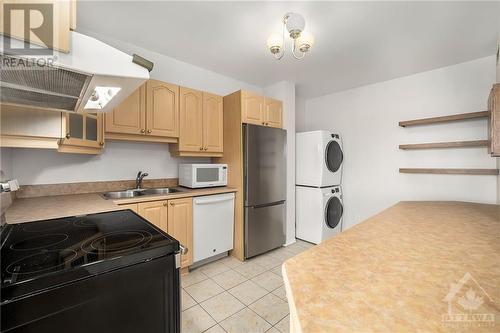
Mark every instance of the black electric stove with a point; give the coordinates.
(74, 266)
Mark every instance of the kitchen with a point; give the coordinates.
(196, 110)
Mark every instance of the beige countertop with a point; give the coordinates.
(50, 207)
(415, 267)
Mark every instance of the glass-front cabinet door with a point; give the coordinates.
(83, 133)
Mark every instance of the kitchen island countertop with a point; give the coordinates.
(394, 272)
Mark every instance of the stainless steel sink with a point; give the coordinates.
(164, 190)
(138, 193)
(123, 194)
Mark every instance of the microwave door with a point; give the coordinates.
(207, 175)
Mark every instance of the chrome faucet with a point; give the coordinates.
(139, 178)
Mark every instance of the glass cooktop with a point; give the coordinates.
(43, 254)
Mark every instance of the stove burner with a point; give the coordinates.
(117, 241)
(46, 226)
(83, 222)
(39, 242)
(42, 261)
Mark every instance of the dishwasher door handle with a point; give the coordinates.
(206, 201)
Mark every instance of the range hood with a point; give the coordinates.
(92, 77)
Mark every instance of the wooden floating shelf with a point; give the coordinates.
(445, 119)
(450, 171)
(455, 144)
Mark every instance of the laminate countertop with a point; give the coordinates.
(415, 267)
(50, 207)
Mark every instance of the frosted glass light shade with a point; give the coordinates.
(306, 39)
(275, 40)
(295, 22)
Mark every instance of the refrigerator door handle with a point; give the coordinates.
(268, 205)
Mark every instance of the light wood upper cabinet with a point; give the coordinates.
(213, 123)
(273, 113)
(155, 212)
(252, 108)
(201, 124)
(162, 109)
(191, 120)
(151, 113)
(260, 110)
(130, 116)
(494, 127)
(82, 133)
(180, 226)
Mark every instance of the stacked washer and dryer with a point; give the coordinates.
(319, 207)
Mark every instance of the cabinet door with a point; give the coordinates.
(162, 109)
(180, 226)
(274, 113)
(191, 120)
(213, 123)
(155, 212)
(494, 128)
(130, 116)
(82, 130)
(252, 108)
(132, 207)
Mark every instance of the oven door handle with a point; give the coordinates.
(182, 250)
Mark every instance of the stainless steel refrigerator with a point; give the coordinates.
(264, 168)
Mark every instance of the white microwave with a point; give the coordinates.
(202, 175)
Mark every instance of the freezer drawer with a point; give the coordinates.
(264, 228)
(213, 225)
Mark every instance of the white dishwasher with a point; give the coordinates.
(213, 225)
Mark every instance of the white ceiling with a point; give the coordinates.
(357, 43)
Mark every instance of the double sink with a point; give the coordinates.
(140, 192)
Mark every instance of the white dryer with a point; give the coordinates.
(319, 159)
(319, 213)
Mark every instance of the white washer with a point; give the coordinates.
(319, 213)
(319, 159)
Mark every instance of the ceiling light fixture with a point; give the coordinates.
(302, 41)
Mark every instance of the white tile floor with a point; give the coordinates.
(231, 296)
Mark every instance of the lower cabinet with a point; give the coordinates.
(180, 226)
(173, 216)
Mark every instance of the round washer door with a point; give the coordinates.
(333, 156)
(333, 212)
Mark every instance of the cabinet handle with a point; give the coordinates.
(143, 130)
(165, 204)
(101, 143)
(172, 203)
(149, 131)
(205, 148)
(201, 148)
(68, 136)
(263, 123)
